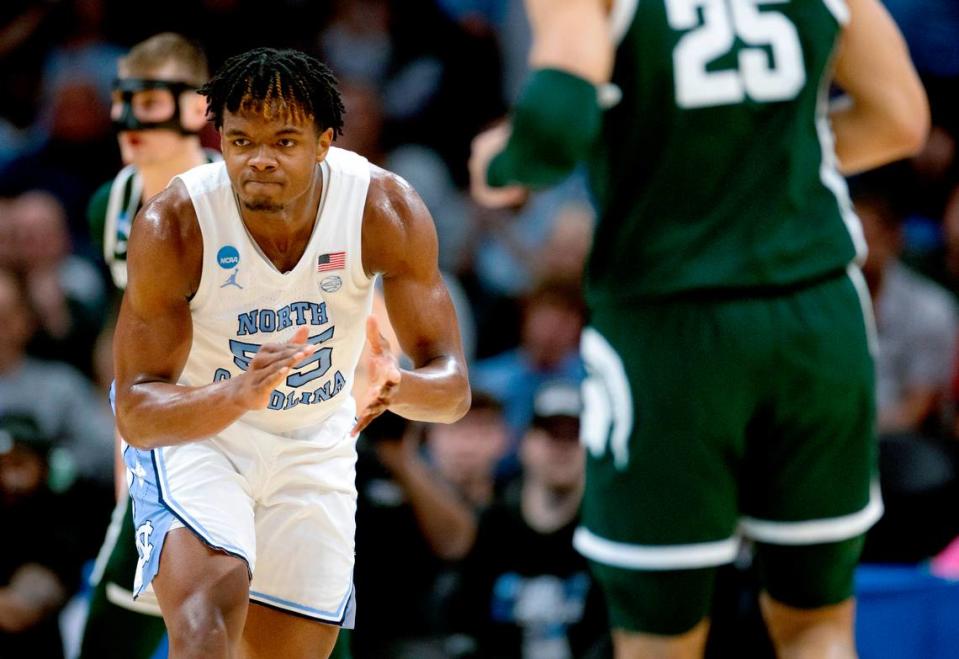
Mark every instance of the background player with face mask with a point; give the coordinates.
(158, 117)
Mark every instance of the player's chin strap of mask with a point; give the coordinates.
(555, 123)
(127, 87)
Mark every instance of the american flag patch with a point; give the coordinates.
(331, 261)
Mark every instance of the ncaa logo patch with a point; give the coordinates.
(228, 257)
(331, 284)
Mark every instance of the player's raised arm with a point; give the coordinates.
(155, 331)
(399, 242)
(888, 117)
(557, 116)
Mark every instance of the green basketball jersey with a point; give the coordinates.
(716, 168)
(110, 216)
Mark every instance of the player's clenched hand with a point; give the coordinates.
(485, 147)
(383, 371)
(269, 368)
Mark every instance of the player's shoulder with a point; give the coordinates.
(166, 244)
(169, 215)
(390, 195)
(397, 227)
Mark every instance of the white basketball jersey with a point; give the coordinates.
(243, 301)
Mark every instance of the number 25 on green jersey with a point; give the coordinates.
(768, 68)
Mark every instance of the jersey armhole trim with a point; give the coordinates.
(621, 17)
(357, 271)
(839, 10)
(118, 194)
(203, 287)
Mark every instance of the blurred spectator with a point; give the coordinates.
(420, 165)
(425, 64)
(73, 148)
(553, 317)
(407, 516)
(448, 205)
(512, 251)
(356, 43)
(919, 477)
(409, 522)
(26, 31)
(942, 263)
(525, 591)
(508, 244)
(65, 292)
(563, 255)
(930, 28)
(465, 453)
(61, 401)
(916, 322)
(79, 154)
(83, 53)
(39, 562)
(363, 119)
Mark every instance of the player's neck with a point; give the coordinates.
(284, 233)
(156, 176)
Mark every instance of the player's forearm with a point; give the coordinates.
(888, 116)
(154, 414)
(438, 392)
(557, 118)
(868, 137)
(555, 123)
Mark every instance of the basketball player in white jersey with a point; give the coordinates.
(246, 309)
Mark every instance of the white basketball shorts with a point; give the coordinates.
(285, 504)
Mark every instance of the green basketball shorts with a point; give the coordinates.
(710, 418)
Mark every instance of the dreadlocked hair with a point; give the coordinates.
(271, 81)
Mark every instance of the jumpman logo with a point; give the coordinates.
(232, 281)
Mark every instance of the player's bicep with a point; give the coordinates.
(417, 300)
(154, 328)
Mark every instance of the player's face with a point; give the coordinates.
(148, 147)
(271, 157)
(145, 148)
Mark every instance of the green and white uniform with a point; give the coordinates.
(110, 214)
(730, 386)
(117, 625)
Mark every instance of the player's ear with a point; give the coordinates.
(323, 142)
(192, 111)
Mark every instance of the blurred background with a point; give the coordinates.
(419, 79)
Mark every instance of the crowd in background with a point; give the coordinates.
(419, 79)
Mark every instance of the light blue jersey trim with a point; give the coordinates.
(329, 616)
